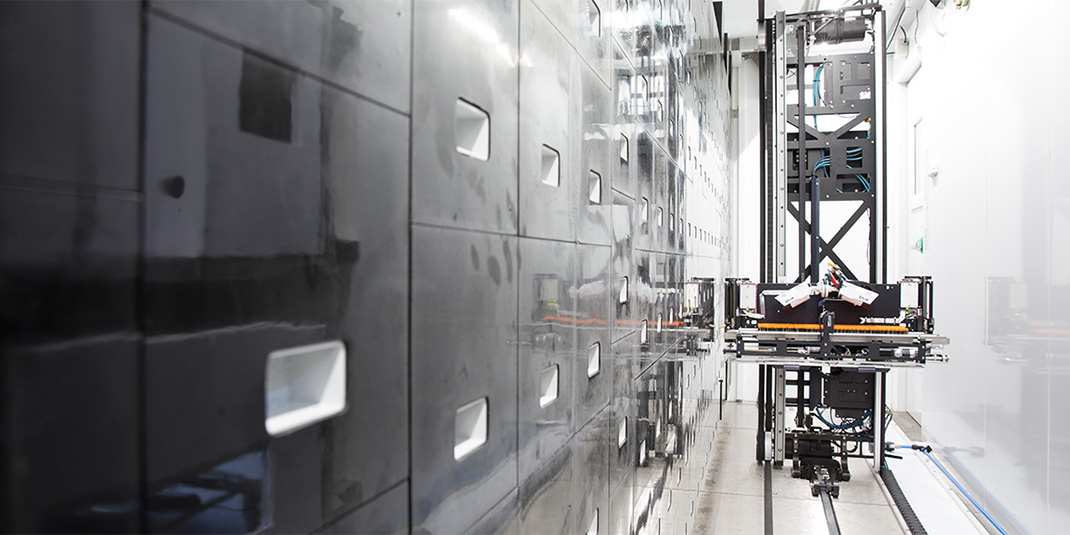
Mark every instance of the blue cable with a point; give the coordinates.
(853, 155)
(865, 183)
(958, 486)
(816, 90)
(857, 422)
(826, 162)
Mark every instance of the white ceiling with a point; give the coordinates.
(741, 16)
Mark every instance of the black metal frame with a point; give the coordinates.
(849, 86)
(824, 338)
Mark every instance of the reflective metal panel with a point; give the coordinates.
(677, 228)
(465, 330)
(297, 487)
(591, 490)
(659, 213)
(361, 46)
(646, 210)
(645, 295)
(624, 282)
(70, 118)
(245, 259)
(586, 25)
(623, 154)
(549, 154)
(255, 189)
(620, 509)
(547, 369)
(465, 51)
(595, 132)
(502, 518)
(594, 378)
(388, 513)
(205, 394)
(629, 25)
(546, 497)
(366, 179)
(289, 152)
(68, 262)
(623, 447)
(91, 450)
(42, 227)
(660, 334)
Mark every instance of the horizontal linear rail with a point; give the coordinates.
(907, 338)
(817, 327)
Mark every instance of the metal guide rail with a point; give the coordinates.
(805, 348)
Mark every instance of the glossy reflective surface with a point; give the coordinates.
(189, 186)
(994, 222)
(69, 205)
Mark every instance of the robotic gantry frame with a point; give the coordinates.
(825, 342)
(837, 339)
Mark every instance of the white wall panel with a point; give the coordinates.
(989, 217)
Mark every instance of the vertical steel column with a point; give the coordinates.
(780, 186)
(815, 224)
(804, 169)
(759, 449)
(720, 403)
(778, 418)
(880, 73)
(769, 398)
(800, 403)
(878, 419)
(815, 182)
(764, 194)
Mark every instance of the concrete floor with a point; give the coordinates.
(733, 497)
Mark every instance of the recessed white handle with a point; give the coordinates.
(594, 359)
(473, 130)
(548, 385)
(594, 17)
(304, 385)
(596, 188)
(470, 428)
(551, 166)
